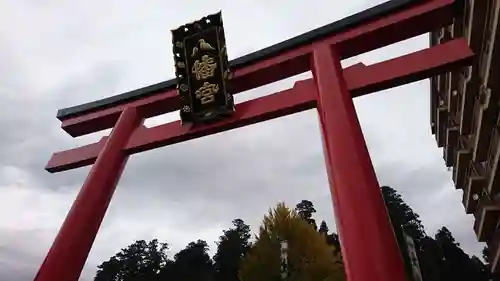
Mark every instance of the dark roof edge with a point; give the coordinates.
(298, 41)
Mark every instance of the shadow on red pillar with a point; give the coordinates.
(68, 253)
(368, 242)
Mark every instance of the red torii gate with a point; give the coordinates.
(369, 247)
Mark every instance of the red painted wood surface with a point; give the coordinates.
(70, 249)
(358, 204)
(359, 208)
(360, 79)
(428, 16)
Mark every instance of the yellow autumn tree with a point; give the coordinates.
(310, 258)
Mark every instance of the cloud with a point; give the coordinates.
(54, 55)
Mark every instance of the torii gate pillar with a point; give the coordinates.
(368, 242)
(356, 196)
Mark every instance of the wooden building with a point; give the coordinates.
(465, 119)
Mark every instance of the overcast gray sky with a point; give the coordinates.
(55, 54)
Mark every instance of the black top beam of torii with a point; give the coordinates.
(298, 41)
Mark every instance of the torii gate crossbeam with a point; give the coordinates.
(368, 243)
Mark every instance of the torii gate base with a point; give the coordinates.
(369, 248)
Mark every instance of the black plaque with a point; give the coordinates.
(202, 70)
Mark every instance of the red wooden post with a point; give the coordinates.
(368, 242)
(68, 253)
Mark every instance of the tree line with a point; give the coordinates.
(313, 251)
